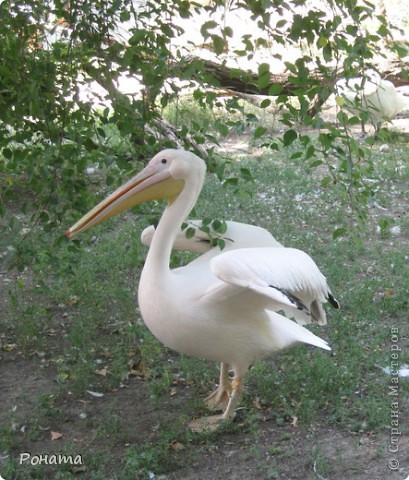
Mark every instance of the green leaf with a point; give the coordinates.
(401, 50)
(273, 146)
(221, 243)
(383, 31)
(315, 164)
(101, 132)
(310, 152)
(339, 232)
(190, 232)
(281, 24)
(264, 68)
(231, 181)
(7, 153)
(263, 81)
(205, 228)
(221, 227)
(246, 174)
(221, 127)
(275, 90)
(325, 181)
(204, 29)
(259, 132)
(250, 117)
(228, 32)
(219, 44)
(289, 137)
(89, 144)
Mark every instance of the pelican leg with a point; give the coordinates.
(235, 397)
(220, 398)
(212, 423)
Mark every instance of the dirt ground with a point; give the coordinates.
(282, 452)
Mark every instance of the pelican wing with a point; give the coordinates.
(287, 277)
(237, 235)
(199, 243)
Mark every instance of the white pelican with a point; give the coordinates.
(373, 95)
(222, 306)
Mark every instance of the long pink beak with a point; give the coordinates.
(150, 184)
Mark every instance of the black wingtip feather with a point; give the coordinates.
(332, 300)
(294, 300)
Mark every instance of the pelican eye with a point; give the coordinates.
(164, 161)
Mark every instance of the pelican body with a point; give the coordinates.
(223, 305)
(374, 95)
(237, 235)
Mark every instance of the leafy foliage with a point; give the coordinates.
(50, 132)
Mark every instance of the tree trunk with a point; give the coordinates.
(246, 82)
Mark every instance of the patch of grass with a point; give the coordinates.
(163, 454)
(8, 437)
(109, 424)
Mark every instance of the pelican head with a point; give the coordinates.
(163, 178)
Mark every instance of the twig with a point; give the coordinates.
(320, 477)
